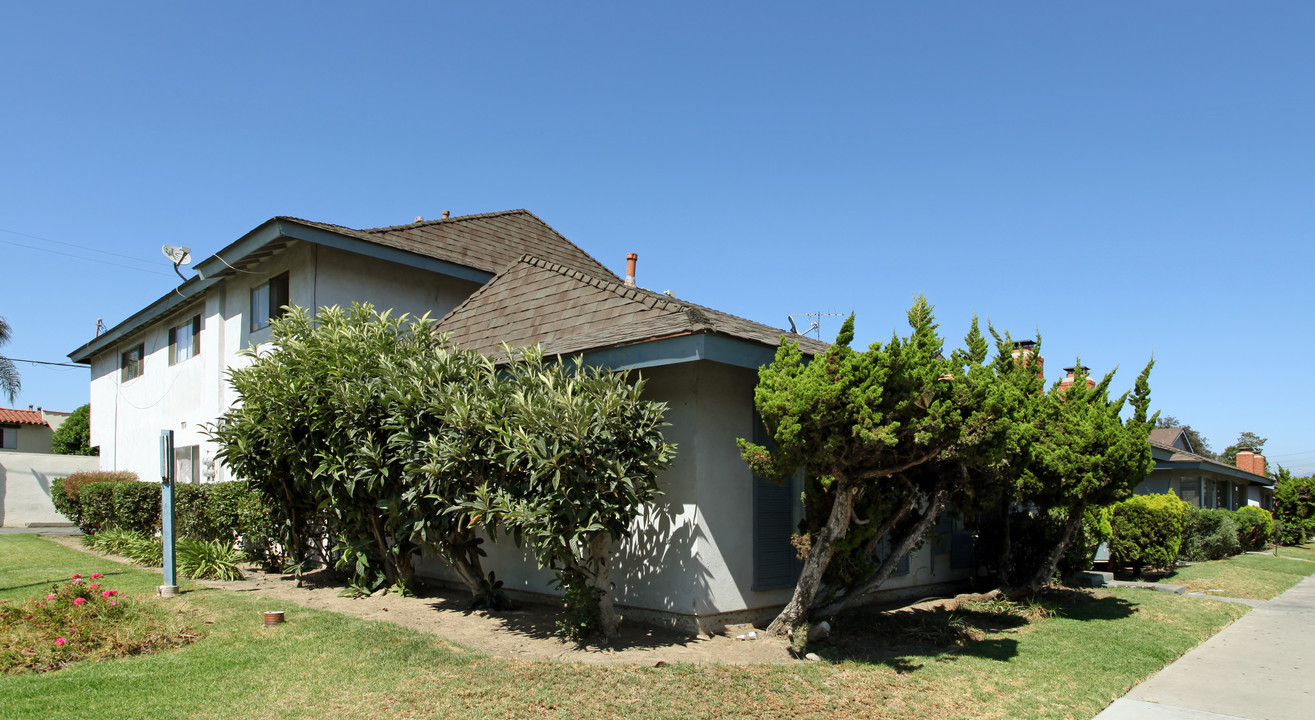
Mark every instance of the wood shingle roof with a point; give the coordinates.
(488, 241)
(568, 311)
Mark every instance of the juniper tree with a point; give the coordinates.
(1084, 455)
(862, 426)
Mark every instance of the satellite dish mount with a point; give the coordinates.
(178, 256)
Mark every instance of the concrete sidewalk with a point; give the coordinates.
(42, 530)
(1261, 667)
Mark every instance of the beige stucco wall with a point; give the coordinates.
(33, 439)
(25, 485)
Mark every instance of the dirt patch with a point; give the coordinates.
(526, 633)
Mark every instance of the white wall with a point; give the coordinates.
(25, 485)
(127, 417)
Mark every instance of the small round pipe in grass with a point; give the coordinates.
(273, 617)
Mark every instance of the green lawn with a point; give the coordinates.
(1256, 577)
(327, 665)
(1305, 552)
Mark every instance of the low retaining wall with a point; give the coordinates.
(25, 485)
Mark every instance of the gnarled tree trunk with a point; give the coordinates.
(1047, 569)
(862, 593)
(600, 560)
(837, 526)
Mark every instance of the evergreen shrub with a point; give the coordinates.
(1255, 527)
(1210, 535)
(1148, 531)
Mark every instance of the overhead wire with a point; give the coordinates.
(82, 257)
(80, 247)
(45, 362)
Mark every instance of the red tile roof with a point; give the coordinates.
(22, 417)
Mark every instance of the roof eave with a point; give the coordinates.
(1216, 468)
(214, 268)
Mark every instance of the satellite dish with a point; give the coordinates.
(178, 255)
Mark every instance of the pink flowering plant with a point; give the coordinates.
(83, 621)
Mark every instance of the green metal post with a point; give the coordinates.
(170, 586)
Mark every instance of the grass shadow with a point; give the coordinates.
(905, 639)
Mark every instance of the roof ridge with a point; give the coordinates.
(456, 218)
(628, 292)
(312, 222)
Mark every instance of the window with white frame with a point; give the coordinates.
(132, 362)
(267, 301)
(187, 464)
(185, 340)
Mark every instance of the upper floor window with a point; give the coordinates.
(185, 340)
(267, 301)
(132, 362)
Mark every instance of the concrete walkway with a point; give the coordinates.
(59, 530)
(1261, 667)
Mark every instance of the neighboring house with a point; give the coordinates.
(165, 367)
(1202, 482)
(715, 547)
(27, 467)
(29, 430)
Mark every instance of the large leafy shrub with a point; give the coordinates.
(1147, 531)
(1209, 535)
(74, 436)
(1255, 527)
(584, 449)
(368, 430)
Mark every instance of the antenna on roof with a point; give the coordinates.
(814, 325)
(179, 256)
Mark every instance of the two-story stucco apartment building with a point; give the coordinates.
(714, 549)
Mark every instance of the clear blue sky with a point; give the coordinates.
(1128, 178)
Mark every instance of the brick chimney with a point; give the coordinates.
(631, 259)
(1025, 353)
(1069, 379)
(1251, 462)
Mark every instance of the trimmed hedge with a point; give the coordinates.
(1148, 531)
(66, 493)
(1255, 527)
(131, 506)
(1210, 535)
(227, 513)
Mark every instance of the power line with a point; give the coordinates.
(80, 257)
(80, 247)
(44, 362)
